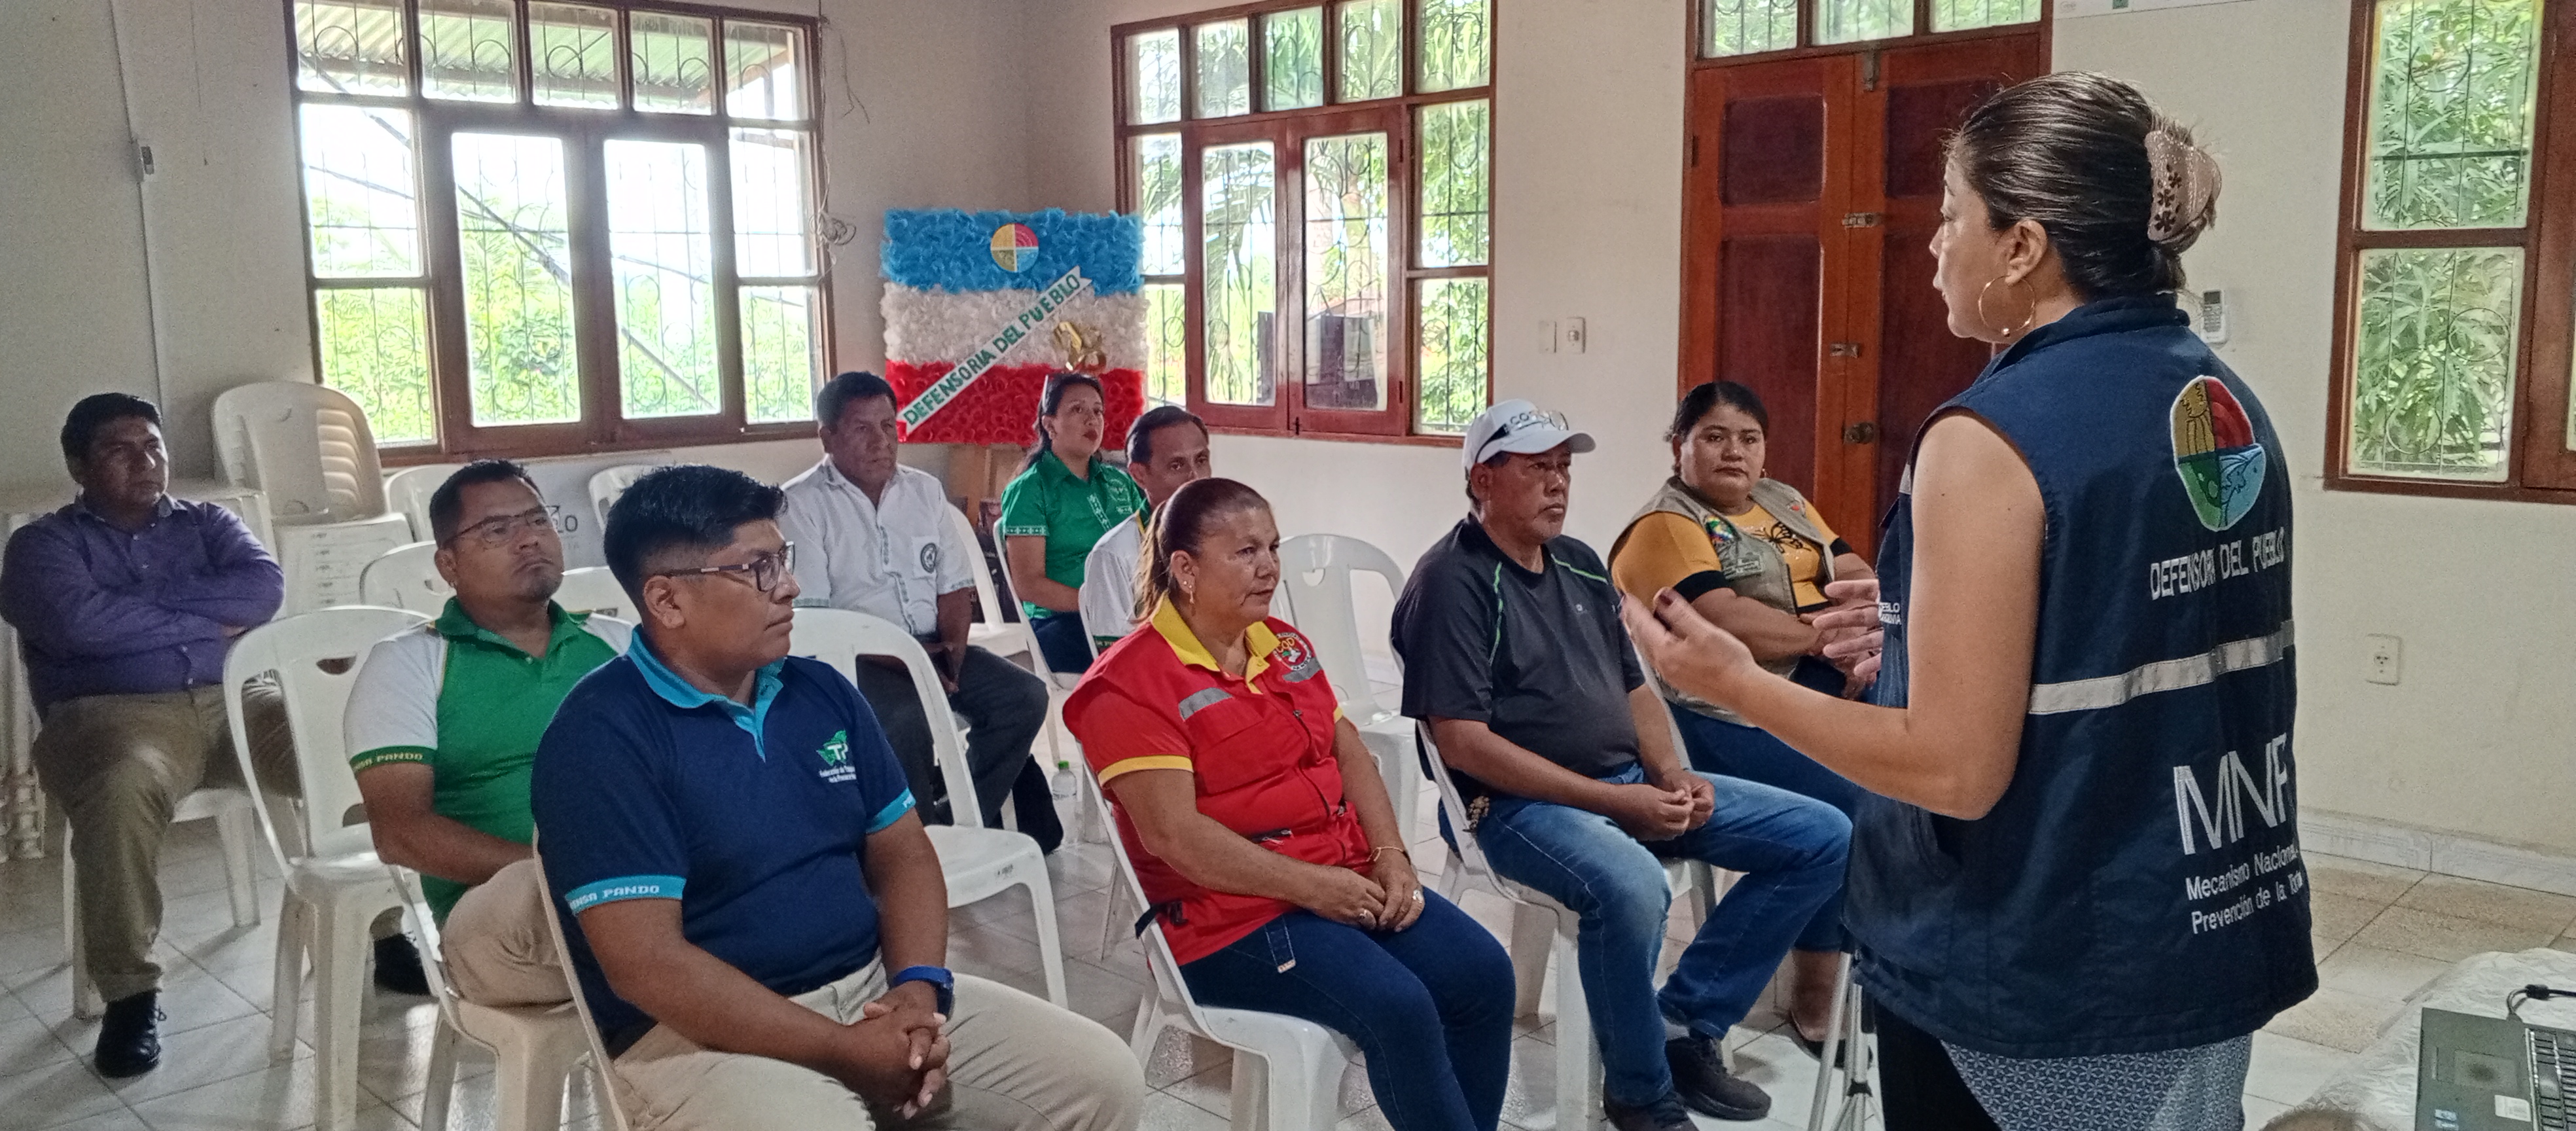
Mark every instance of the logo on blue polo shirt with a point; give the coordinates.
(836, 759)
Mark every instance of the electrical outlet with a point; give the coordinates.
(1547, 335)
(1576, 337)
(2387, 659)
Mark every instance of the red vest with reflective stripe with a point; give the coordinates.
(1260, 751)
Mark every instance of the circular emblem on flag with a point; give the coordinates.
(2216, 454)
(1014, 246)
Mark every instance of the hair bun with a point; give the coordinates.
(2185, 182)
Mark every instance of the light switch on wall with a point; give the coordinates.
(1576, 337)
(1547, 335)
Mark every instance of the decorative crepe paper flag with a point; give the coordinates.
(956, 280)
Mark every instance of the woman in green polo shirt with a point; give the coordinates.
(1064, 499)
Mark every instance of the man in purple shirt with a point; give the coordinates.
(125, 603)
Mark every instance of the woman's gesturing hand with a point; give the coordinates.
(1399, 891)
(1688, 651)
(1850, 633)
(1345, 897)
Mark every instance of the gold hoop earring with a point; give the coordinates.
(1989, 323)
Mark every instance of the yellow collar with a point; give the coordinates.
(1186, 647)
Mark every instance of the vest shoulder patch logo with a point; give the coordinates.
(2215, 453)
(1293, 654)
(930, 558)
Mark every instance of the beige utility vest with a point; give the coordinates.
(1751, 567)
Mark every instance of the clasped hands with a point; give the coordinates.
(895, 1056)
(1388, 898)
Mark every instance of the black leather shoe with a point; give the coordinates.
(1700, 1075)
(1666, 1114)
(129, 1041)
(398, 967)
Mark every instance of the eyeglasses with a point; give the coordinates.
(765, 571)
(494, 533)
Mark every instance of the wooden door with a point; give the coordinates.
(1813, 190)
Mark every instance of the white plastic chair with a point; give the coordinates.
(612, 1114)
(978, 862)
(535, 1048)
(992, 634)
(593, 589)
(406, 577)
(306, 446)
(1315, 578)
(1542, 928)
(335, 885)
(407, 493)
(231, 811)
(1287, 1070)
(608, 483)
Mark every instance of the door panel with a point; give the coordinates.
(1768, 291)
(1810, 200)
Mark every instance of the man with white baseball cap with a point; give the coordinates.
(1515, 656)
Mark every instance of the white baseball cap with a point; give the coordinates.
(1519, 426)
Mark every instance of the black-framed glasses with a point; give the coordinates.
(501, 530)
(764, 571)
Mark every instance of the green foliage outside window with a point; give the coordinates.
(2450, 147)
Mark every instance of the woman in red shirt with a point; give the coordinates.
(1263, 834)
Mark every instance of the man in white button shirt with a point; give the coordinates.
(1166, 449)
(876, 537)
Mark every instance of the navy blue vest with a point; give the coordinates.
(2138, 887)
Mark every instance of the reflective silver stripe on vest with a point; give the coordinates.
(2163, 675)
(1202, 701)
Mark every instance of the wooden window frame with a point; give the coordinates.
(1807, 47)
(1395, 423)
(2539, 465)
(602, 427)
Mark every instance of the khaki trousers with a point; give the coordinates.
(1015, 1063)
(498, 949)
(119, 766)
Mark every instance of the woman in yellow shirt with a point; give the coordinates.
(1753, 555)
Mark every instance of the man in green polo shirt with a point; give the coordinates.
(443, 722)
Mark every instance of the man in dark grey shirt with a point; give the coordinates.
(1514, 654)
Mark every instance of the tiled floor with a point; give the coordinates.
(2381, 933)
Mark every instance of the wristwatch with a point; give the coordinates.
(941, 981)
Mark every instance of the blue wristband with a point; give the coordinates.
(943, 983)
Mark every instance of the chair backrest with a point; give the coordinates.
(1461, 842)
(599, 1059)
(305, 446)
(314, 658)
(1315, 578)
(988, 599)
(424, 930)
(406, 577)
(407, 493)
(840, 637)
(1159, 963)
(592, 589)
(610, 482)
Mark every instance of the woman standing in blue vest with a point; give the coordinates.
(2077, 891)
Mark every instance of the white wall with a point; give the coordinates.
(73, 313)
(919, 121)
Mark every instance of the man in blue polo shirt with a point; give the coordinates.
(757, 920)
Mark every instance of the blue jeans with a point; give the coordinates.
(1791, 850)
(1065, 642)
(1430, 1006)
(1751, 753)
